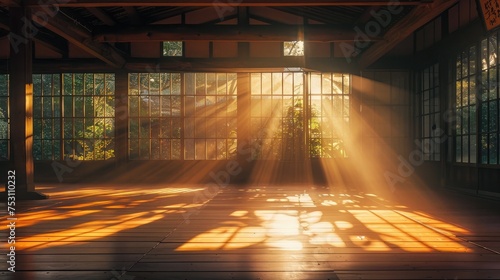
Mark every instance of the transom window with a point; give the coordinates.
(172, 48)
(293, 48)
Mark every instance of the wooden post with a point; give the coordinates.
(21, 102)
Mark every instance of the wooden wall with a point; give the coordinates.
(381, 122)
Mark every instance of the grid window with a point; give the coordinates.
(328, 115)
(46, 117)
(172, 48)
(89, 111)
(293, 48)
(465, 107)
(155, 116)
(428, 112)
(489, 98)
(210, 116)
(4, 117)
(277, 115)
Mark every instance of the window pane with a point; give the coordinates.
(484, 149)
(172, 48)
(293, 48)
(85, 95)
(458, 149)
(493, 147)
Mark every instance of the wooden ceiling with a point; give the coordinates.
(96, 26)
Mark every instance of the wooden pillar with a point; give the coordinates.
(121, 117)
(21, 102)
(243, 20)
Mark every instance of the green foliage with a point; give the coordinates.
(319, 146)
(293, 48)
(291, 134)
(172, 48)
(87, 116)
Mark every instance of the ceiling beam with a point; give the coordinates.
(102, 16)
(220, 3)
(235, 33)
(243, 64)
(172, 12)
(417, 18)
(367, 15)
(80, 37)
(264, 19)
(10, 3)
(55, 44)
(193, 64)
(134, 16)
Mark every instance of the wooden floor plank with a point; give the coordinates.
(255, 232)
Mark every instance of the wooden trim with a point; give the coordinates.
(234, 33)
(102, 15)
(211, 3)
(170, 64)
(134, 16)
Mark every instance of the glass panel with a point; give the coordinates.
(459, 68)
(458, 149)
(493, 116)
(293, 48)
(255, 83)
(472, 60)
(484, 149)
(172, 48)
(484, 54)
(465, 149)
(493, 147)
(473, 149)
(484, 86)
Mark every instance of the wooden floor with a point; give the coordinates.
(253, 232)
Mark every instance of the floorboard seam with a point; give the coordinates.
(163, 238)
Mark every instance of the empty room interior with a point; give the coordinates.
(249, 139)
